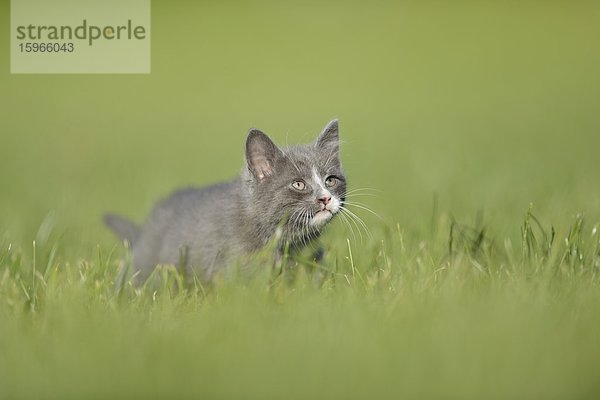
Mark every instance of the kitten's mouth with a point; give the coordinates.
(321, 217)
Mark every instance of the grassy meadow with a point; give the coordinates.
(471, 128)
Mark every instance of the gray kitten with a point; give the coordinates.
(292, 192)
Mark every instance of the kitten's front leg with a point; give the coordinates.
(287, 260)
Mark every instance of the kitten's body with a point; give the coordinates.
(205, 228)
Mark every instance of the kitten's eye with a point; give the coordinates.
(298, 185)
(331, 181)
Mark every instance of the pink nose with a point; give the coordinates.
(325, 200)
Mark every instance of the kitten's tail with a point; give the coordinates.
(123, 228)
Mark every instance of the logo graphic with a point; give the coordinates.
(80, 36)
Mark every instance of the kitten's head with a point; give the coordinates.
(303, 185)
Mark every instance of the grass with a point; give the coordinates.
(460, 315)
(476, 126)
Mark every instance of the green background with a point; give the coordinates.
(484, 106)
(491, 106)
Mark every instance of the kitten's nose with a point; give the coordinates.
(325, 200)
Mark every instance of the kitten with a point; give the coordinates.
(293, 191)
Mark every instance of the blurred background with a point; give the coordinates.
(486, 106)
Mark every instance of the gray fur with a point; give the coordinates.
(124, 228)
(205, 228)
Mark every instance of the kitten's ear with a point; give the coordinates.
(261, 154)
(330, 137)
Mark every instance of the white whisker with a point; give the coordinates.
(363, 207)
(329, 159)
(363, 190)
(345, 219)
(359, 194)
(352, 219)
(356, 218)
(292, 162)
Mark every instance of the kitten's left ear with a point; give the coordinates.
(261, 154)
(330, 137)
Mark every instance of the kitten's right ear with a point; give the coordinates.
(330, 137)
(261, 154)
